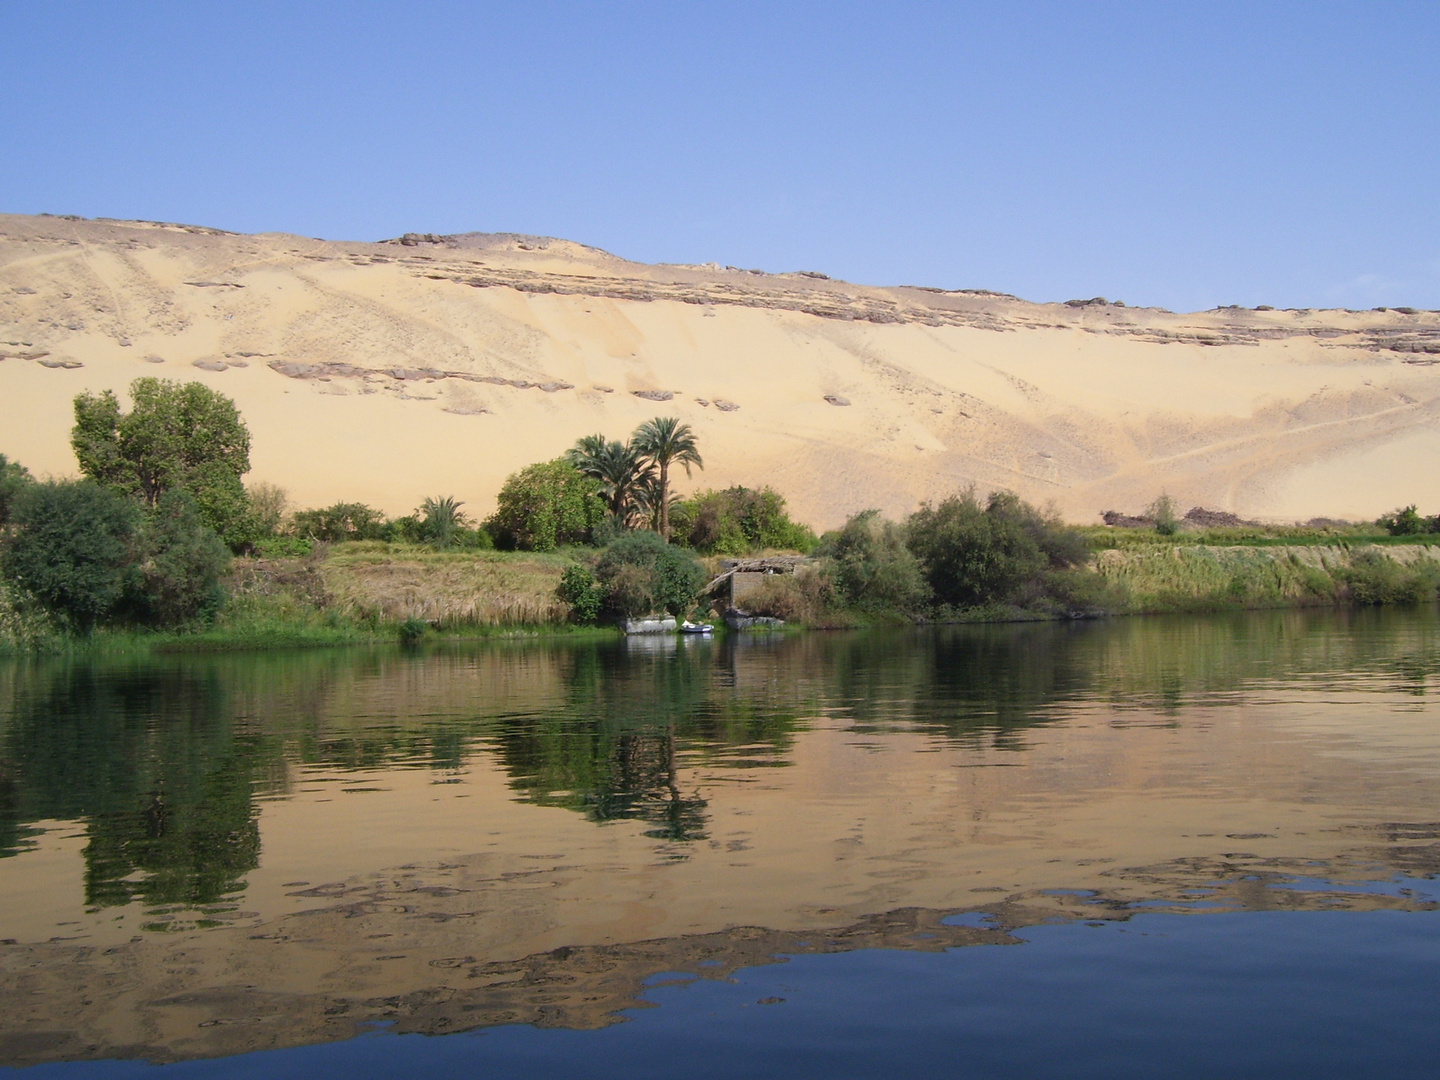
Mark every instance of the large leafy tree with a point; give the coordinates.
(176, 437)
(546, 505)
(663, 442)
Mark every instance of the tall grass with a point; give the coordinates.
(375, 583)
(1171, 577)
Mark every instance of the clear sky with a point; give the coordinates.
(1170, 153)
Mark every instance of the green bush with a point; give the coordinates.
(582, 592)
(412, 630)
(14, 478)
(179, 563)
(70, 549)
(284, 547)
(1001, 553)
(872, 567)
(1162, 512)
(546, 505)
(1372, 578)
(806, 596)
(738, 520)
(640, 573)
(340, 522)
(1406, 521)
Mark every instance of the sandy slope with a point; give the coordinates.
(387, 372)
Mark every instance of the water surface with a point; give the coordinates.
(206, 856)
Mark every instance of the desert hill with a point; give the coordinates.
(434, 365)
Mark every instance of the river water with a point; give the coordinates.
(1189, 846)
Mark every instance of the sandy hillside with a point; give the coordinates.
(386, 372)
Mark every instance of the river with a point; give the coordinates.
(1172, 846)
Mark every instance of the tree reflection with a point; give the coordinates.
(150, 761)
(161, 759)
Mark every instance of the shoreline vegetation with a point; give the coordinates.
(162, 547)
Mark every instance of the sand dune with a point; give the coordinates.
(384, 372)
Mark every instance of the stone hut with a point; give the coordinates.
(738, 578)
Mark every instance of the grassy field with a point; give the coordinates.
(362, 592)
(1192, 577)
(1103, 538)
(349, 594)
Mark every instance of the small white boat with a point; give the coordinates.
(688, 627)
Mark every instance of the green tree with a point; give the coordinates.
(873, 569)
(340, 522)
(176, 437)
(545, 505)
(179, 564)
(14, 478)
(641, 573)
(665, 441)
(1405, 521)
(738, 520)
(70, 549)
(1000, 553)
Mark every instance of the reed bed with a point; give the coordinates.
(1175, 577)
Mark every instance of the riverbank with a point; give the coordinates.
(362, 592)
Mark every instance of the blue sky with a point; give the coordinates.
(1178, 154)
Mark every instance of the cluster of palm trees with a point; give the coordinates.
(635, 475)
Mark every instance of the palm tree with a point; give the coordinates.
(618, 466)
(647, 499)
(441, 518)
(663, 441)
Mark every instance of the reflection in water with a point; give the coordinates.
(162, 759)
(153, 764)
(524, 831)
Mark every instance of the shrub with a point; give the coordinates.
(872, 567)
(284, 547)
(1001, 553)
(179, 563)
(268, 505)
(546, 505)
(412, 630)
(1405, 521)
(14, 478)
(581, 591)
(640, 573)
(340, 522)
(1372, 578)
(806, 596)
(70, 549)
(738, 520)
(1162, 512)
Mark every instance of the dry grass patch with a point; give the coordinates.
(391, 583)
(374, 582)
